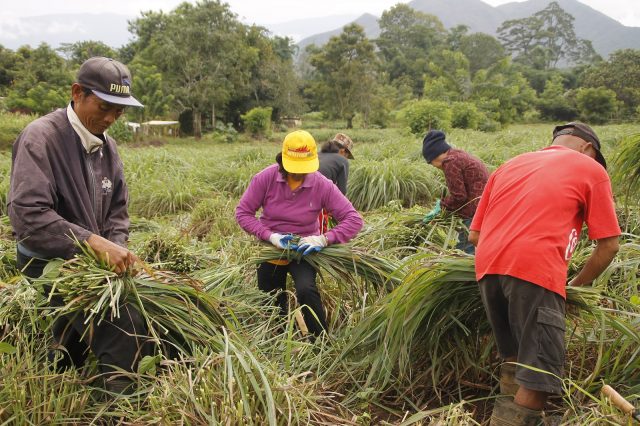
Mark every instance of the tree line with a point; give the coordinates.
(201, 64)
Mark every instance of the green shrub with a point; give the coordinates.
(225, 132)
(120, 131)
(422, 116)
(465, 115)
(596, 105)
(11, 124)
(258, 121)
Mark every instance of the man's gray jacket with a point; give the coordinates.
(59, 192)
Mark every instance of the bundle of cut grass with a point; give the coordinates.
(433, 325)
(175, 307)
(343, 262)
(405, 232)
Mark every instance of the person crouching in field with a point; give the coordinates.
(526, 229)
(67, 185)
(466, 177)
(334, 165)
(291, 194)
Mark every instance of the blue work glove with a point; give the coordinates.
(281, 241)
(433, 213)
(312, 243)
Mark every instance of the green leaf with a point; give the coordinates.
(147, 365)
(6, 348)
(52, 269)
(635, 299)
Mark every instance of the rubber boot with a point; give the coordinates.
(508, 385)
(508, 413)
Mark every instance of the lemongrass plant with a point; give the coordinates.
(175, 307)
(433, 324)
(345, 263)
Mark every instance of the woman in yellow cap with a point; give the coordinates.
(291, 194)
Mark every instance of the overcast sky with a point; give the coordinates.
(270, 11)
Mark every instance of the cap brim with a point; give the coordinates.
(349, 154)
(308, 166)
(118, 100)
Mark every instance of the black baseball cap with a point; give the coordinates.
(108, 79)
(585, 133)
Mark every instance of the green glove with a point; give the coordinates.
(433, 213)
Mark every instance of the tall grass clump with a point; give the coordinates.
(11, 124)
(373, 184)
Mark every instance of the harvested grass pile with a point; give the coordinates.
(176, 309)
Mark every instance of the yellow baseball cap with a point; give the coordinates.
(300, 153)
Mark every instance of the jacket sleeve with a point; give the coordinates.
(32, 201)
(249, 204)
(117, 221)
(343, 176)
(458, 196)
(349, 220)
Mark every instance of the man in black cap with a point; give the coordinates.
(67, 184)
(526, 228)
(466, 177)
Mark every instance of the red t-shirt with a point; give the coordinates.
(531, 214)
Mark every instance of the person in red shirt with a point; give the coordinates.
(466, 177)
(526, 228)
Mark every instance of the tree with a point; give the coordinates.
(502, 92)
(149, 89)
(78, 52)
(41, 82)
(8, 68)
(273, 79)
(553, 102)
(545, 38)
(448, 77)
(346, 75)
(482, 51)
(596, 105)
(202, 53)
(408, 39)
(621, 73)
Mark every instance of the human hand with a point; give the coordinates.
(312, 243)
(433, 213)
(282, 241)
(116, 256)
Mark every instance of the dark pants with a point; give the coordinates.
(117, 343)
(273, 279)
(463, 238)
(528, 323)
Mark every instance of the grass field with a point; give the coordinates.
(408, 340)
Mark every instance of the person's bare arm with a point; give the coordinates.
(474, 237)
(600, 258)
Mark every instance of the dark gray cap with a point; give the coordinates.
(585, 133)
(109, 80)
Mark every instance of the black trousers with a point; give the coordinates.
(116, 343)
(273, 278)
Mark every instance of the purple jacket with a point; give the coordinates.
(59, 191)
(285, 211)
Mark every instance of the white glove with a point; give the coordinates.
(281, 241)
(312, 243)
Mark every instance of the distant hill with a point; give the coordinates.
(111, 29)
(606, 34)
(367, 21)
(301, 28)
